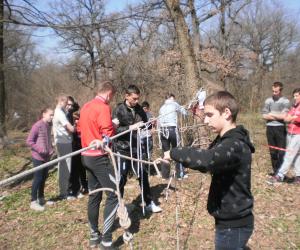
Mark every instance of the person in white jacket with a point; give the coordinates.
(169, 135)
(62, 131)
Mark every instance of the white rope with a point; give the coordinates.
(42, 166)
(140, 167)
(47, 164)
(50, 163)
(131, 153)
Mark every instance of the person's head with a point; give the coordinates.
(46, 115)
(146, 106)
(76, 107)
(277, 89)
(296, 95)
(170, 96)
(70, 103)
(220, 111)
(132, 96)
(76, 115)
(62, 101)
(106, 90)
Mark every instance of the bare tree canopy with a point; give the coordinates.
(157, 44)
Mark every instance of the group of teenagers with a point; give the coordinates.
(227, 159)
(284, 144)
(42, 137)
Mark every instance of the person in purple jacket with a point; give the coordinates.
(39, 140)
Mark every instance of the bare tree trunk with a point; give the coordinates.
(94, 70)
(2, 80)
(196, 32)
(222, 28)
(192, 76)
(223, 36)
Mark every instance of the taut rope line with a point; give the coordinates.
(50, 163)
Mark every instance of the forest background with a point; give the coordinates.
(239, 45)
(160, 45)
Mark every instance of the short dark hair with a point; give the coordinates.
(169, 95)
(132, 89)
(297, 90)
(105, 86)
(145, 104)
(222, 100)
(70, 98)
(76, 107)
(278, 85)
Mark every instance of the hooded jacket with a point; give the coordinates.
(228, 159)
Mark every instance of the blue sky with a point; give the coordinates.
(47, 42)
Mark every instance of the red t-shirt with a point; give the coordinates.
(94, 122)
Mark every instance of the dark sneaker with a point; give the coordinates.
(95, 239)
(275, 179)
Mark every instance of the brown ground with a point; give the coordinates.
(64, 225)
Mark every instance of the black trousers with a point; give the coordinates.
(169, 138)
(98, 170)
(276, 136)
(78, 179)
(125, 167)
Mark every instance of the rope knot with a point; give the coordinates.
(125, 221)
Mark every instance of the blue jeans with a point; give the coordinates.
(39, 179)
(232, 238)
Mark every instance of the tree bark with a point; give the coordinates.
(223, 38)
(196, 31)
(2, 80)
(192, 76)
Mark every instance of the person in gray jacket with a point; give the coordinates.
(169, 134)
(62, 131)
(274, 112)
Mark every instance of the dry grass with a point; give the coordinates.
(64, 225)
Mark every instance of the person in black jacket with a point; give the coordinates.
(228, 160)
(78, 181)
(130, 115)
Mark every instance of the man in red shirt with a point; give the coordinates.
(291, 156)
(95, 123)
